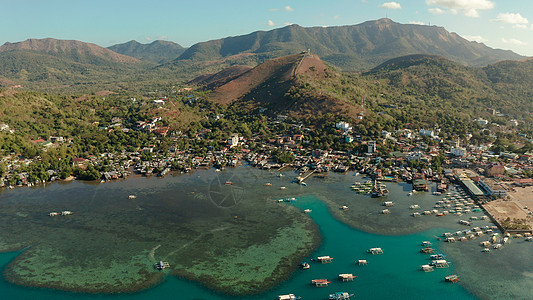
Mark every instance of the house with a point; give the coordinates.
(458, 151)
(344, 126)
(161, 131)
(159, 102)
(425, 132)
(233, 140)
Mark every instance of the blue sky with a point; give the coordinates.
(504, 24)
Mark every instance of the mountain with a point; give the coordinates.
(51, 63)
(280, 86)
(354, 47)
(74, 50)
(157, 51)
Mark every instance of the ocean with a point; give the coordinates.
(394, 274)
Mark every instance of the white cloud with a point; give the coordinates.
(288, 8)
(475, 38)
(335, 17)
(391, 5)
(163, 37)
(270, 23)
(288, 23)
(147, 38)
(416, 22)
(436, 11)
(516, 19)
(469, 8)
(513, 42)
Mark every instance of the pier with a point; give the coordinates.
(303, 178)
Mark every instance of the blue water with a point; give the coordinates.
(392, 275)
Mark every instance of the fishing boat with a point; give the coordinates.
(288, 297)
(307, 210)
(131, 197)
(268, 184)
(427, 268)
(375, 251)
(347, 277)
(340, 295)
(66, 213)
(452, 278)
(320, 282)
(305, 265)
(228, 183)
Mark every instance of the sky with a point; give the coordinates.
(502, 24)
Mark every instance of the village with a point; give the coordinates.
(497, 180)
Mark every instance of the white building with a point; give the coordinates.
(493, 188)
(425, 132)
(458, 151)
(345, 126)
(233, 140)
(482, 122)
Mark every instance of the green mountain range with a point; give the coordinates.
(158, 51)
(354, 47)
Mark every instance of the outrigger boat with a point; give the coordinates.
(320, 282)
(288, 297)
(452, 278)
(340, 295)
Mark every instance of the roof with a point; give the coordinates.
(473, 188)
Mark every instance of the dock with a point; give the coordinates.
(303, 178)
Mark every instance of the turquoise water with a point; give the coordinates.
(394, 274)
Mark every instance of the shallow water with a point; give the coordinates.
(219, 224)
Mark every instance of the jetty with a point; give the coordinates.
(347, 277)
(304, 177)
(320, 282)
(324, 259)
(375, 251)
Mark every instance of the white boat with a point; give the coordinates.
(415, 206)
(66, 213)
(131, 197)
(53, 214)
(307, 210)
(288, 297)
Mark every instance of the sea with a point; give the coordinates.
(395, 274)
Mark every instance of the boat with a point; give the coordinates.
(375, 251)
(340, 295)
(320, 282)
(427, 268)
(307, 210)
(228, 183)
(131, 197)
(53, 214)
(452, 278)
(288, 297)
(282, 188)
(324, 259)
(66, 213)
(305, 265)
(344, 207)
(347, 277)
(486, 250)
(426, 243)
(268, 184)
(303, 183)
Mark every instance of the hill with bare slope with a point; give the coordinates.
(282, 85)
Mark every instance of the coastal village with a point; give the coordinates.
(497, 181)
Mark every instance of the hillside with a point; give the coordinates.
(274, 85)
(158, 51)
(354, 47)
(74, 50)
